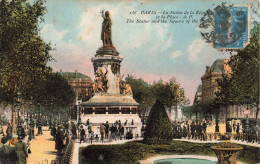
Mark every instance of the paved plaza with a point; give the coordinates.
(42, 147)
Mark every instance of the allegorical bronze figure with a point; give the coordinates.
(106, 33)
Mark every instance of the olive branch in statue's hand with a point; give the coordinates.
(102, 12)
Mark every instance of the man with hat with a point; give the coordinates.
(21, 150)
(7, 153)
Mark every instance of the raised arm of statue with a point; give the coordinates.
(102, 14)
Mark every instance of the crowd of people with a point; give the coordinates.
(198, 131)
(13, 155)
(107, 131)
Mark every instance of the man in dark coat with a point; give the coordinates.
(192, 128)
(121, 131)
(82, 135)
(74, 130)
(59, 140)
(21, 150)
(204, 127)
(106, 130)
(8, 154)
(237, 129)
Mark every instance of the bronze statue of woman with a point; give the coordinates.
(106, 33)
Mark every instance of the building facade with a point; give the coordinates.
(206, 91)
(209, 84)
(81, 84)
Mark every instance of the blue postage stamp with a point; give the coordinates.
(231, 27)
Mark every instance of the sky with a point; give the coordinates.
(151, 51)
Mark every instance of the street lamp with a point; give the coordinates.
(39, 123)
(31, 130)
(217, 127)
(79, 119)
(247, 120)
(196, 110)
(19, 128)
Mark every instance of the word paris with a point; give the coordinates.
(167, 12)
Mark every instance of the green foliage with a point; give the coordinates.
(23, 53)
(188, 111)
(242, 87)
(170, 93)
(245, 71)
(142, 94)
(115, 154)
(57, 92)
(132, 152)
(158, 128)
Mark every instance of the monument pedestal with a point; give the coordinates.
(110, 102)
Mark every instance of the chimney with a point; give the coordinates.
(76, 73)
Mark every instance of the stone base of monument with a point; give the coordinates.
(226, 152)
(125, 119)
(103, 107)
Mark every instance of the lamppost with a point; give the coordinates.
(247, 120)
(79, 116)
(196, 108)
(50, 123)
(217, 127)
(19, 128)
(79, 119)
(31, 130)
(39, 123)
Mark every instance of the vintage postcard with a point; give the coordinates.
(124, 82)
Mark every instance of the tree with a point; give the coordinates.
(188, 111)
(224, 92)
(24, 54)
(158, 128)
(245, 73)
(142, 93)
(57, 92)
(170, 94)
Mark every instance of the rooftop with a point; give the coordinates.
(75, 75)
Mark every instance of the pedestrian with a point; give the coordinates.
(106, 130)
(9, 131)
(204, 127)
(199, 131)
(192, 128)
(59, 139)
(121, 131)
(74, 130)
(21, 150)
(234, 126)
(90, 129)
(102, 132)
(82, 134)
(88, 122)
(238, 128)
(8, 154)
(53, 131)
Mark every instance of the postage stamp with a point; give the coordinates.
(231, 27)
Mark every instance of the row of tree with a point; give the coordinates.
(241, 87)
(169, 93)
(25, 76)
